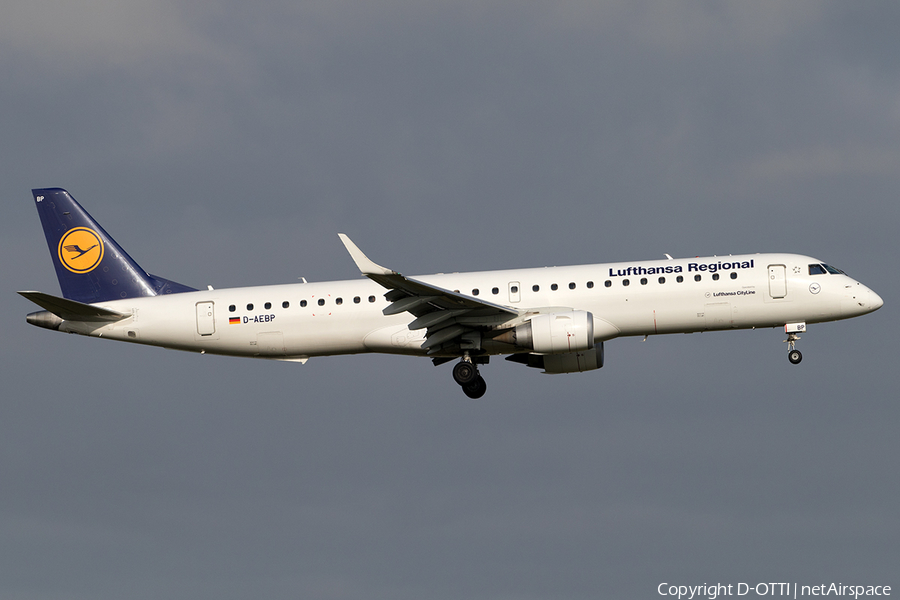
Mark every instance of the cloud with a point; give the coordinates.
(97, 34)
(833, 160)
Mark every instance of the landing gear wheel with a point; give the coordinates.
(793, 354)
(475, 389)
(464, 372)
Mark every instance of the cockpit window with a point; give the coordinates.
(824, 269)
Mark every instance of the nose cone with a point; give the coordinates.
(860, 300)
(875, 302)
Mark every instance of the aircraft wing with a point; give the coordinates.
(446, 314)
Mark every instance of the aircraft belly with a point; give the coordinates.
(705, 312)
(395, 339)
(329, 343)
(632, 318)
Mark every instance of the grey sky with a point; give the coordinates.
(227, 143)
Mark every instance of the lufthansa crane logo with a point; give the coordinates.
(80, 250)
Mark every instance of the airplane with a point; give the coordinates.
(555, 318)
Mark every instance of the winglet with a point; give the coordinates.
(365, 265)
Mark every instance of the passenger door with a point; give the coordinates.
(777, 281)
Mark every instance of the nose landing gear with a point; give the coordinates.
(793, 329)
(466, 374)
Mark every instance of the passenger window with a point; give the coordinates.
(249, 307)
(514, 289)
(495, 291)
(643, 281)
(554, 287)
(371, 298)
(356, 300)
(590, 285)
(626, 282)
(232, 308)
(607, 283)
(715, 276)
(338, 301)
(268, 305)
(285, 304)
(817, 270)
(535, 288)
(572, 286)
(697, 277)
(475, 292)
(734, 275)
(679, 279)
(321, 301)
(662, 279)
(303, 304)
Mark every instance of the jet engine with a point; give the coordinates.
(568, 362)
(554, 333)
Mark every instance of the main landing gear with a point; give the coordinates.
(793, 329)
(465, 373)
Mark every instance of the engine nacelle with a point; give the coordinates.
(557, 333)
(569, 362)
(574, 362)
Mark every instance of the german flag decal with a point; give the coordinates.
(234, 320)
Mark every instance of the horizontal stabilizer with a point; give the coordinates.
(70, 310)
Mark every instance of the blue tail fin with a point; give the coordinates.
(90, 265)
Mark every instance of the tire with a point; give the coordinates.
(795, 357)
(476, 389)
(464, 373)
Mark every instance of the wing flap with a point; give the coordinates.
(438, 337)
(409, 303)
(433, 318)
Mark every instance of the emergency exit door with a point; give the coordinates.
(206, 318)
(514, 292)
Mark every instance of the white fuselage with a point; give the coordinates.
(298, 321)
